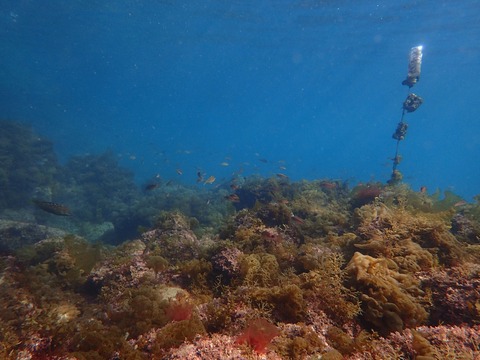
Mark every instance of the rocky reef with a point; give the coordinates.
(308, 270)
(101, 198)
(256, 269)
(28, 165)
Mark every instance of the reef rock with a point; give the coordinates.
(14, 234)
(173, 239)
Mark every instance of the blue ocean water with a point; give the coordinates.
(311, 89)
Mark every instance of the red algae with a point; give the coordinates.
(258, 335)
(179, 309)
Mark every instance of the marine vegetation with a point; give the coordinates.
(289, 270)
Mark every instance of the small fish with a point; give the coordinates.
(224, 163)
(282, 167)
(328, 185)
(282, 176)
(263, 160)
(152, 186)
(199, 177)
(297, 219)
(460, 203)
(52, 208)
(179, 171)
(210, 180)
(423, 189)
(233, 198)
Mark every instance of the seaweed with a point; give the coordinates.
(323, 286)
(258, 334)
(177, 332)
(391, 301)
(311, 268)
(286, 301)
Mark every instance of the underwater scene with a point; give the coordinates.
(239, 180)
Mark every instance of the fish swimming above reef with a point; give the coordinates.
(151, 186)
(233, 198)
(210, 180)
(52, 208)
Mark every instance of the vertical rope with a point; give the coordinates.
(411, 103)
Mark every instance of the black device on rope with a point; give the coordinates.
(411, 103)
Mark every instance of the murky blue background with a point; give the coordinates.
(312, 86)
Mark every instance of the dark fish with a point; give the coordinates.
(53, 208)
(233, 198)
(152, 186)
